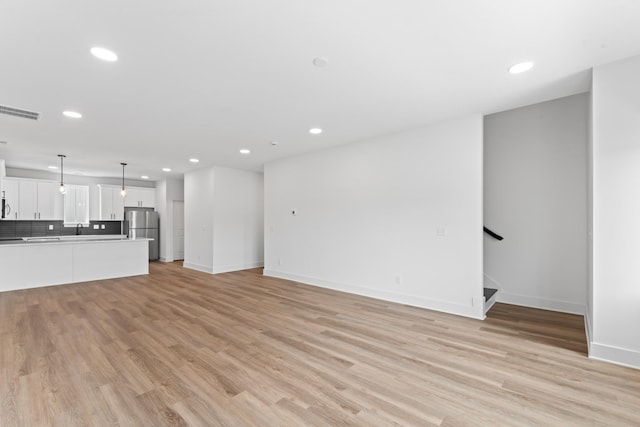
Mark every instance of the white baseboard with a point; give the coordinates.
(607, 353)
(197, 267)
(545, 304)
(616, 355)
(475, 310)
(236, 267)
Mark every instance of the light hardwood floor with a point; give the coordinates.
(179, 347)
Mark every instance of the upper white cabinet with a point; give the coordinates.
(111, 203)
(140, 197)
(11, 188)
(50, 202)
(33, 199)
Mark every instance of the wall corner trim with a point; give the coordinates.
(587, 331)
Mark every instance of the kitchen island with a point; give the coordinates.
(46, 261)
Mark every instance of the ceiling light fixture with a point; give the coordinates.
(315, 131)
(62, 188)
(245, 151)
(104, 54)
(194, 160)
(123, 192)
(521, 67)
(166, 169)
(72, 114)
(144, 177)
(52, 167)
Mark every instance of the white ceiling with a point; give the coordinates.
(204, 78)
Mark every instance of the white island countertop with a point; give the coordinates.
(87, 238)
(46, 261)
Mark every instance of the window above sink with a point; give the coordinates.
(76, 205)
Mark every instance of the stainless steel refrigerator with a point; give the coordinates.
(143, 223)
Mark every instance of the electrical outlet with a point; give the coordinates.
(96, 226)
(50, 226)
(398, 280)
(102, 226)
(441, 231)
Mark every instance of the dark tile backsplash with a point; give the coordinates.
(10, 229)
(7, 229)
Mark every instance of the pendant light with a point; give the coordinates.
(63, 189)
(123, 192)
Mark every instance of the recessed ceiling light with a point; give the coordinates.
(144, 177)
(521, 67)
(194, 160)
(320, 62)
(315, 131)
(52, 167)
(166, 169)
(72, 114)
(104, 54)
(245, 151)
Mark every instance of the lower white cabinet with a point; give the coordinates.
(70, 262)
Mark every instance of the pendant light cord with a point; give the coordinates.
(122, 191)
(62, 189)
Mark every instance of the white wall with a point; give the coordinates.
(238, 220)
(2, 175)
(535, 196)
(616, 212)
(588, 315)
(167, 192)
(223, 220)
(198, 219)
(367, 216)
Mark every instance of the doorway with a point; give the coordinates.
(178, 230)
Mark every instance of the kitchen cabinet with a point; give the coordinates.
(11, 188)
(32, 199)
(111, 203)
(140, 197)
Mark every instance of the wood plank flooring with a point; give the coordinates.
(179, 347)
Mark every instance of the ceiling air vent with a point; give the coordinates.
(18, 112)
